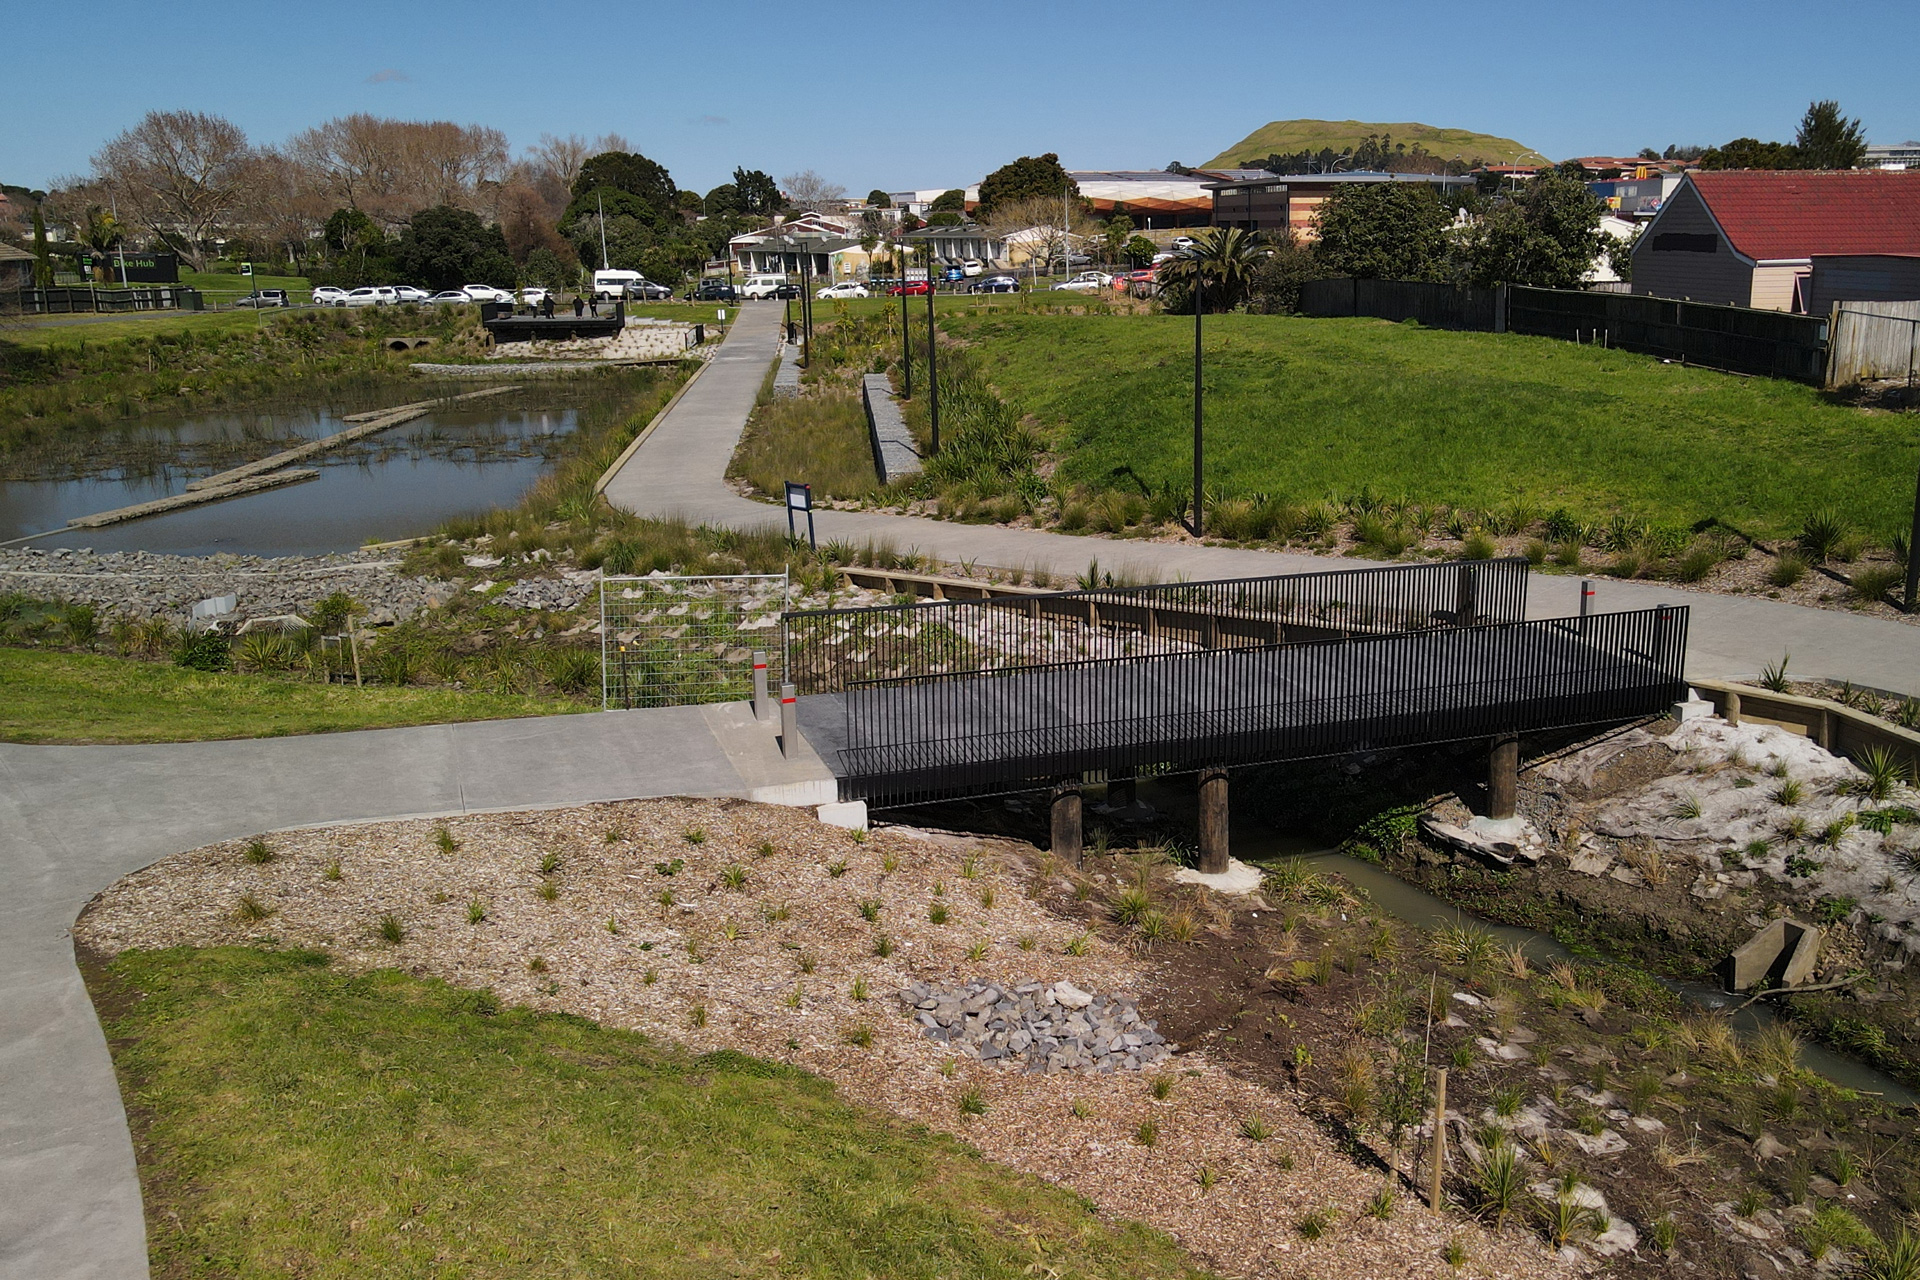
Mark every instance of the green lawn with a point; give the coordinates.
(58, 331)
(1305, 409)
(73, 697)
(228, 286)
(294, 1120)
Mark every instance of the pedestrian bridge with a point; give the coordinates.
(942, 700)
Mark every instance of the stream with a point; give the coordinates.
(397, 484)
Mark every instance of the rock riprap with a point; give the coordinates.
(1051, 1027)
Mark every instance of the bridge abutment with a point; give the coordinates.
(1066, 821)
(1214, 850)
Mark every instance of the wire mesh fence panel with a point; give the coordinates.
(831, 649)
(672, 641)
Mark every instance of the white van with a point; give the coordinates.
(762, 286)
(613, 284)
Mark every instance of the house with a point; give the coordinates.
(1897, 155)
(1862, 277)
(1640, 196)
(1748, 237)
(827, 246)
(1278, 202)
(16, 269)
(966, 242)
(1619, 230)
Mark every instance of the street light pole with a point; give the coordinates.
(933, 359)
(1199, 309)
(906, 324)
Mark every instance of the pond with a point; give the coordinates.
(397, 484)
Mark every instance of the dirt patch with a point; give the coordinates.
(727, 925)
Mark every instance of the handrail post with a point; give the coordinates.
(760, 707)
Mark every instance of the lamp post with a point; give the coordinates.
(1199, 309)
(933, 359)
(906, 327)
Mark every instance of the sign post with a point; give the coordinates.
(246, 269)
(800, 498)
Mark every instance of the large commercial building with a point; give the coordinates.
(1274, 203)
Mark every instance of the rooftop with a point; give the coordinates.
(1316, 179)
(1788, 214)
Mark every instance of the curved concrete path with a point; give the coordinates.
(681, 470)
(75, 819)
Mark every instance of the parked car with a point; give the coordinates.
(373, 295)
(1086, 282)
(645, 290)
(1159, 258)
(995, 284)
(533, 295)
(845, 289)
(1127, 279)
(1181, 243)
(973, 267)
(613, 281)
(411, 293)
(328, 296)
(450, 296)
(912, 288)
(713, 291)
(264, 298)
(762, 286)
(486, 293)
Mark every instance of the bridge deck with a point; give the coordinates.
(936, 736)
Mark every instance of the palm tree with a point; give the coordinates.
(1223, 259)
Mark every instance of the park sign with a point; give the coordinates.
(141, 268)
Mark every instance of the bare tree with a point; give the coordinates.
(1041, 228)
(556, 162)
(391, 169)
(179, 174)
(808, 190)
(284, 205)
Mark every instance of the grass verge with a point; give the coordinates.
(291, 1119)
(74, 697)
(1304, 410)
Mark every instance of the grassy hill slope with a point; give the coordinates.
(1283, 136)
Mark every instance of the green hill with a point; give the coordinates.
(1283, 136)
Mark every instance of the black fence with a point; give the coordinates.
(920, 738)
(830, 650)
(1773, 344)
(69, 301)
(1438, 306)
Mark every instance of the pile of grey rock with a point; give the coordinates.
(1054, 1027)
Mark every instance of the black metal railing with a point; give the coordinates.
(832, 649)
(924, 737)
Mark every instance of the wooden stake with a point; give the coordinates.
(1439, 1136)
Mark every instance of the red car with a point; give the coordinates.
(912, 288)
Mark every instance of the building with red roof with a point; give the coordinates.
(1753, 238)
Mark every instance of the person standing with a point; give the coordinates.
(579, 307)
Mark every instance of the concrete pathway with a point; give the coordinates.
(681, 470)
(75, 819)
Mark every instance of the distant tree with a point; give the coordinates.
(949, 201)
(1648, 153)
(1828, 140)
(1751, 153)
(444, 248)
(1175, 167)
(42, 260)
(634, 174)
(1223, 259)
(1383, 231)
(1115, 234)
(1029, 177)
(1620, 253)
(179, 174)
(1547, 235)
(1276, 282)
(523, 218)
(549, 269)
(1140, 250)
(945, 218)
(759, 194)
(878, 199)
(808, 190)
(351, 231)
(721, 201)
(1686, 155)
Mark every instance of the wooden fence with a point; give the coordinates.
(1772, 344)
(1873, 341)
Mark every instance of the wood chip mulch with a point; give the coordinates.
(769, 968)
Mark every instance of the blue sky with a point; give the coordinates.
(900, 95)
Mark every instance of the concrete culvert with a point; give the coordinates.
(407, 344)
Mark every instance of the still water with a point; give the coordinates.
(397, 484)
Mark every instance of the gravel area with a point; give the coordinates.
(143, 584)
(728, 925)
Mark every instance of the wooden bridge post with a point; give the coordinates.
(1066, 821)
(1213, 821)
(1466, 597)
(1503, 776)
